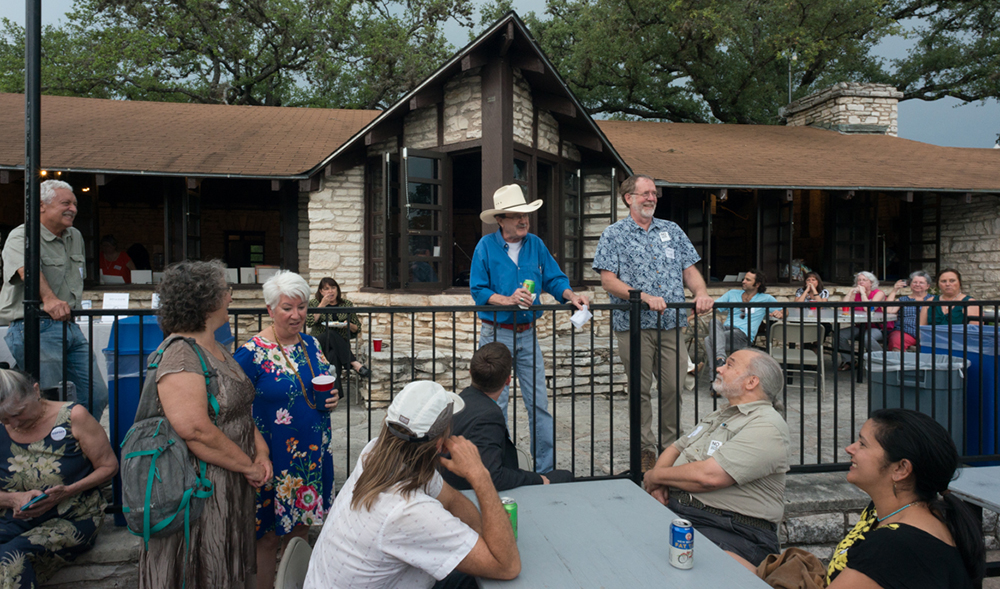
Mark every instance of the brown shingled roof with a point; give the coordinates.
(689, 154)
(87, 134)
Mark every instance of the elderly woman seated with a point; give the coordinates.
(54, 456)
(870, 334)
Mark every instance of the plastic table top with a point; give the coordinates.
(607, 534)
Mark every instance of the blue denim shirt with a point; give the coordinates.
(652, 261)
(493, 272)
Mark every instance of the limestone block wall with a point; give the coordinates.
(420, 128)
(389, 145)
(332, 229)
(463, 107)
(848, 104)
(523, 110)
(570, 151)
(970, 242)
(548, 133)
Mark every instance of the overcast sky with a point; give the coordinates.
(943, 122)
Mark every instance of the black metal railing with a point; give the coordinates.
(595, 405)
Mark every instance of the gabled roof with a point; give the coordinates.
(766, 156)
(166, 138)
(548, 80)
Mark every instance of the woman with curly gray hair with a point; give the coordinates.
(865, 289)
(194, 301)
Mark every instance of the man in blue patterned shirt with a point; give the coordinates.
(501, 263)
(656, 257)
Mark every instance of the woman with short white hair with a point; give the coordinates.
(865, 289)
(281, 361)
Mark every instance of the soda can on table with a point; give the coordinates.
(681, 544)
(510, 506)
(529, 285)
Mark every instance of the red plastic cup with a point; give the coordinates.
(322, 387)
(377, 344)
(845, 310)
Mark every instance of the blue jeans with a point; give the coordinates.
(528, 361)
(50, 334)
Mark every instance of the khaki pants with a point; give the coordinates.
(666, 355)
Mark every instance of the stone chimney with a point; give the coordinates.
(848, 107)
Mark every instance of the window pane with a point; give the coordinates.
(422, 167)
(569, 182)
(571, 204)
(570, 269)
(569, 249)
(378, 248)
(422, 220)
(421, 271)
(424, 246)
(569, 227)
(378, 223)
(378, 271)
(422, 194)
(520, 170)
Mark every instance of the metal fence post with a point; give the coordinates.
(635, 385)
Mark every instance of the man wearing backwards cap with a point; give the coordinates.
(500, 265)
(396, 523)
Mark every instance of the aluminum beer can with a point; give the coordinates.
(681, 544)
(529, 285)
(510, 506)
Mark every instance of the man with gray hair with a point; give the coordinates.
(61, 284)
(727, 475)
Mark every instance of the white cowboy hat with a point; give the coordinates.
(509, 199)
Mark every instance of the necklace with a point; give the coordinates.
(881, 519)
(311, 403)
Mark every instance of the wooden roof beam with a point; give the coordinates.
(581, 138)
(528, 63)
(386, 130)
(473, 60)
(310, 184)
(507, 39)
(555, 103)
(428, 97)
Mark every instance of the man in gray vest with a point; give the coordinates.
(727, 475)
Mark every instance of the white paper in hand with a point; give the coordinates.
(581, 317)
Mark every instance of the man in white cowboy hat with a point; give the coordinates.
(500, 265)
(396, 523)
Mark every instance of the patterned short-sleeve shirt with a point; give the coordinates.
(652, 261)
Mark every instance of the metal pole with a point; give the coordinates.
(635, 385)
(32, 172)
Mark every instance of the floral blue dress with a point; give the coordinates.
(32, 550)
(298, 435)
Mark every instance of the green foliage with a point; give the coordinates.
(729, 60)
(330, 53)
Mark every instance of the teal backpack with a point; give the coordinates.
(161, 492)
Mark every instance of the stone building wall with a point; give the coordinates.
(523, 110)
(331, 231)
(463, 107)
(849, 108)
(420, 128)
(970, 242)
(548, 133)
(570, 151)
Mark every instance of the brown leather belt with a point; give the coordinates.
(687, 500)
(515, 328)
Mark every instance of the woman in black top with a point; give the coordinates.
(914, 533)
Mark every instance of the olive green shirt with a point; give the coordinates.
(750, 442)
(62, 262)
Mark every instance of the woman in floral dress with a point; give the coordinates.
(281, 362)
(59, 449)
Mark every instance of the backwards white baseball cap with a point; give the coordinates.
(425, 409)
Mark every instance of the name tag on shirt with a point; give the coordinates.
(713, 446)
(669, 252)
(695, 432)
(664, 236)
(81, 273)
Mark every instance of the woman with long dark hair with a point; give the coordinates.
(914, 533)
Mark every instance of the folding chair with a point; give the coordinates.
(794, 360)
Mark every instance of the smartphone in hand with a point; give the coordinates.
(34, 500)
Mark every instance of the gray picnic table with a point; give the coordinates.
(607, 534)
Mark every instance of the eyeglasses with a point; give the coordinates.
(647, 195)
